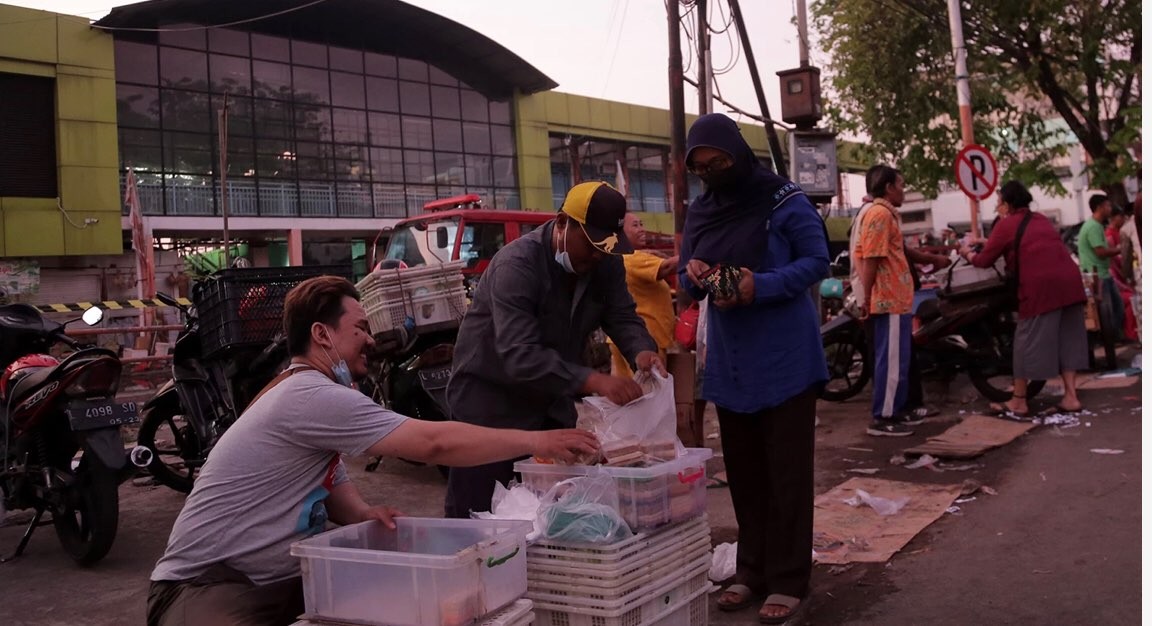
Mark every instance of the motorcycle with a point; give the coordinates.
(186, 418)
(971, 335)
(60, 427)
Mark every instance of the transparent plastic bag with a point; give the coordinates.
(514, 502)
(583, 510)
(645, 427)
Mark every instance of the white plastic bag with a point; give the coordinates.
(515, 502)
(723, 562)
(583, 510)
(882, 506)
(648, 420)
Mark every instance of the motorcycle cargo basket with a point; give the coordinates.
(244, 307)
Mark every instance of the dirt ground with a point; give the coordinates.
(1059, 544)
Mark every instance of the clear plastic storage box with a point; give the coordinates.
(672, 491)
(427, 572)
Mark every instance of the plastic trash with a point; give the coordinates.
(723, 562)
(515, 502)
(583, 510)
(1106, 451)
(882, 506)
(924, 461)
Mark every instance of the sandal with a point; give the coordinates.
(779, 599)
(736, 598)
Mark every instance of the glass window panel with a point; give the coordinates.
(271, 80)
(348, 90)
(310, 85)
(140, 149)
(418, 196)
(503, 143)
(239, 115)
(480, 241)
(185, 110)
(507, 199)
(230, 74)
(275, 147)
(384, 129)
(270, 48)
(241, 159)
(419, 167)
(417, 132)
(353, 200)
(188, 152)
(308, 53)
(273, 118)
(500, 112)
(183, 68)
(278, 197)
(228, 41)
(504, 172)
(447, 135)
(414, 99)
(314, 168)
(473, 106)
(388, 201)
(187, 194)
(383, 94)
(446, 102)
(195, 36)
(136, 62)
(313, 122)
(411, 69)
(317, 150)
(349, 152)
(351, 170)
(349, 126)
(479, 171)
(387, 165)
(346, 59)
(137, 106)
(449, 169)
(380, 64)
(438, 76)
(476, 138)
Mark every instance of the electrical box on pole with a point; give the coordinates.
(800, 96)
(813, 158)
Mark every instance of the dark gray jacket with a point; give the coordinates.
(518, 355)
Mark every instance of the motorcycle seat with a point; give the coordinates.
(928, 310)
(27, 384)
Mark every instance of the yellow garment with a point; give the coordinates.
(653, 299)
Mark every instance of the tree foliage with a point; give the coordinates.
(1032, 63)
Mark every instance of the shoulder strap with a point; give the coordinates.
(1016, 245)
(281, 377)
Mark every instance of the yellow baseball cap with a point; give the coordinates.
(600, 210)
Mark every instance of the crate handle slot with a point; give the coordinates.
(493, 561)
(690, 478)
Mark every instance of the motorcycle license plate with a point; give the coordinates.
(435, 378)
(90, 414)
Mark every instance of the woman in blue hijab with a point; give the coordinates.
(765, 361)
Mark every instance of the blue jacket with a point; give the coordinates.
(761, 355)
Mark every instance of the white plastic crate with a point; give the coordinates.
(433, 308)
(427, 572)
(649, 497)
(612, 557)
(543, 573)
(515, 614)
(643, 607)
(963, 277)
(690, 611)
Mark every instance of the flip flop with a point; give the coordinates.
(1002, 411)
(779, 599)
(716, 482)
(745, 598)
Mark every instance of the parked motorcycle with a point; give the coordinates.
(189, 413)
(60, 429)
(971, 335)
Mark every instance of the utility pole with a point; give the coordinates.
(802, 29)
(222, 128)
(778, 162)
(676, 112)
(703, 58)
(960, 54)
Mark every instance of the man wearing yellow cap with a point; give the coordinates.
(518, 354)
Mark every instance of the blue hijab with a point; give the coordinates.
(729, 225)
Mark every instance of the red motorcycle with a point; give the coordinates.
(60, 444)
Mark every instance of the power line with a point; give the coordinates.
(186, 29)
(615, 49)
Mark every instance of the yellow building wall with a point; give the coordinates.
(86, 220)
(557, 112)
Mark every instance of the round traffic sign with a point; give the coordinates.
(976, 172)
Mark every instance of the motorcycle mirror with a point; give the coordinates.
(93, 316)
(442, 237)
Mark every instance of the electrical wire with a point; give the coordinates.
(60, 205)
(720, 11)
(211, 26)
(615, 49)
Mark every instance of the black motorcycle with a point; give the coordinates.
(62, 451)
(189, 413)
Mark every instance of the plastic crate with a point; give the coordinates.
(416, 312)
(690, 611)
(643, 606)
(615, 560)
(516, 614)
(549, 573)
(244, 307)
(427, 572)
(649, 497)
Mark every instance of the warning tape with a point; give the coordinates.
(77, 307)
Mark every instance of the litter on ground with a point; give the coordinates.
(1106, 451)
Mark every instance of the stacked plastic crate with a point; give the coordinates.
(414, 297)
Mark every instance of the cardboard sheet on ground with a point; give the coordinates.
(1111, 382)
(972, 437)
(846, 534)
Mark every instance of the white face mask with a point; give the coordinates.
(340, 371)
(562, 255)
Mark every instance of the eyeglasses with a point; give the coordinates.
(715, 165)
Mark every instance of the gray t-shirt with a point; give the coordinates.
(265, 483)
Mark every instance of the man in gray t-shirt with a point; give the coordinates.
(277, 477)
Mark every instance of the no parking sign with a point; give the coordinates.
(976, 172)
